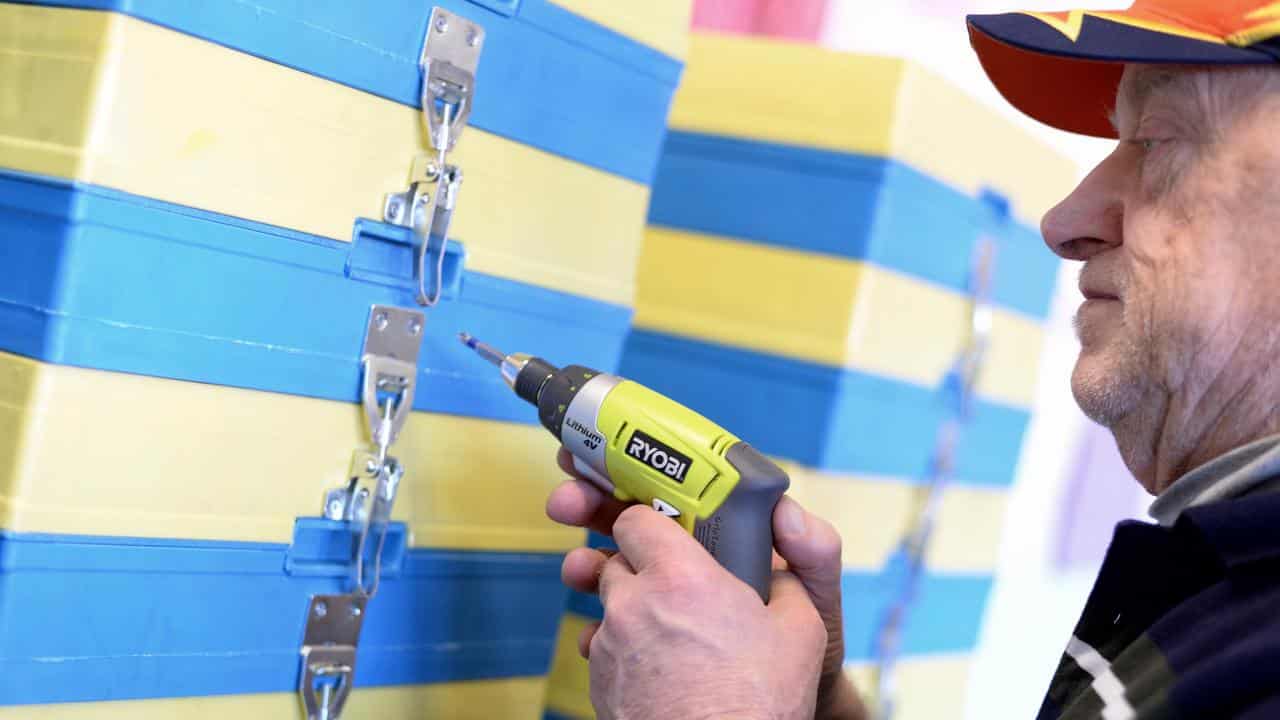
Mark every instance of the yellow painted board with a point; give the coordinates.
(101, 453)
(509, 699)
(660, 24)
(568, 689)
(251, 462)
(928, 687)
(871, 514)
(110, 100)
(827, 310)
(866, 104)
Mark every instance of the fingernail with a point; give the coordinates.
(791, 517)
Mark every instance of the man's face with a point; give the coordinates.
(1178, 232)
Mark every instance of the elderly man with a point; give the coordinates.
(1178, 231)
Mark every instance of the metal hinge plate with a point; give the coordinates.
(329, 653)
(392, 342)
(450, 58)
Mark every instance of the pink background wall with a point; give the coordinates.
(801, 20)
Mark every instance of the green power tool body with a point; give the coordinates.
(641, 447)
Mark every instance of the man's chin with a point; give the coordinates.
(1102, 389)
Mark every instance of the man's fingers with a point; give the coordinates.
(778, 562)
(812, 550)
(581, 568)
(787, 595)
(646, 537)
(616, 573)
(581, 504)
(584, 639)
(564, 459)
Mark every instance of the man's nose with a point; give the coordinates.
(1091, 218)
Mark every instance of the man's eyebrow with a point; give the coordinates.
(1150, 81)
(1138, 89)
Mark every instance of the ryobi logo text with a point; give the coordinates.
(659, 456)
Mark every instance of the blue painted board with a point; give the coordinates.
(101, 279)
(547, 77)
(873, 209)
(827, 418)
(90, 618)
(946, 617)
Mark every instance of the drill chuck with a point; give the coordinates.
(530, 376)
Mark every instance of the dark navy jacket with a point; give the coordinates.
(1183, 622)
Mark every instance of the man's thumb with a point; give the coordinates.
(811, 547)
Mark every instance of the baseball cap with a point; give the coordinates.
(1063, 68)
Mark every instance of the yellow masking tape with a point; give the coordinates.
(110, 100)
(871, 515)
(660, 24)
(200, 461)
(517, 699)
(926, 687)
(869, 105)
(569, 679)
(826, 310)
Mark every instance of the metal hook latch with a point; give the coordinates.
(973, 354)
(329, 653)
(960, 385)
(389, 475)
(393, 340)
(390, 358)
(450, 58)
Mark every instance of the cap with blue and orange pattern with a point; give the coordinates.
(1063, 68)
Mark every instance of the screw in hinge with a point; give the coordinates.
(321, 609)
(381, 321)
(442, 24)
(415, 326)
(371, 466)
(473, 37)
(394, 207)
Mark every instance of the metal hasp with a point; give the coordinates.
(450, 57)
(390, 359)
(960, 385)
(329, 653)
(393, 340)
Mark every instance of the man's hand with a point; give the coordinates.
(684, 638)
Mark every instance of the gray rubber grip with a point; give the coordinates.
(740, 534)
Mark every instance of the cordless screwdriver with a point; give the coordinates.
(640, 446)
